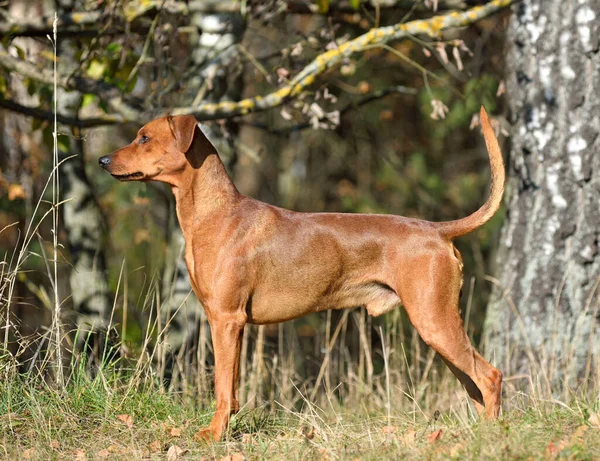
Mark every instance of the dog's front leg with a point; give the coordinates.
(227, 330)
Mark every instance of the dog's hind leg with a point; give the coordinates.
(430, 297)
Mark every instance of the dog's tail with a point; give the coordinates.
(453, 229)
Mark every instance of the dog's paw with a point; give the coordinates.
(204, 435)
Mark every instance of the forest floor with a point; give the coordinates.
(98, 420)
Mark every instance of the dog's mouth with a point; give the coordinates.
(128, 177)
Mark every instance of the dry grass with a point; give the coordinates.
(101, 418)
(363, 400)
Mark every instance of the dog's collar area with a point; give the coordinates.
(137, 174)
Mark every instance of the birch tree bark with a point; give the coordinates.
(219, 80)
(82, 218)
(543, 315)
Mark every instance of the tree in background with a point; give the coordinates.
(543, 317)
(318, 65)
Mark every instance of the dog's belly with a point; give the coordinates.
(273, 306)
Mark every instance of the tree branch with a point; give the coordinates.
(432, 27)
(87, 22)
(111, 94)
(124, 112)
(41, 114)
(368, 98)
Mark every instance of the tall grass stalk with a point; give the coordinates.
(56, 314)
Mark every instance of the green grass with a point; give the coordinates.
(38, 422)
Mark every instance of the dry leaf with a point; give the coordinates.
(364, 87)
(386, 115)
(456, 450)
(103, 453)
(439, 109)
(387, 430)
(174, 453)
(434, 436)
(594, 420)
(233, 457)
(551, 449)
(175, 432)
(15, 191)
(80, 455)
(29, 453)
(55, 444)
(126, 419)
(409, 438)
(141, 235)
(456, 54)
(246, 439)
(309, 433)
(155, 447)
(285, 114)
(441, 49)
(324, 454)
(283, 73)
(501, 88)
(578, 433)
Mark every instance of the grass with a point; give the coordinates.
(102, 418)
(122, 410)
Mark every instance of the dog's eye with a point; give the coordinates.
(144, 139)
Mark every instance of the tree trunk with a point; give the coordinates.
(82, 218)
(219, 80)
(543, 314)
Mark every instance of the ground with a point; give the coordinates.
(102, 419)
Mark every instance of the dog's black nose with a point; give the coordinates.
(104, 161)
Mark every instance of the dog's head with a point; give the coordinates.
(161, 150)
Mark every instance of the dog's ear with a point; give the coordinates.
(183, 128)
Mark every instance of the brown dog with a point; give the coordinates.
(251, 262)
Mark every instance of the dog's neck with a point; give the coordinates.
(204, 188)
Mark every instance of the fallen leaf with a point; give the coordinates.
(324, 454)
(175, 432)
(126, 419)
(409, 438)
(389, 430)
(434, 436)
(29, 453)
(155, 447)
(578, 433)
(308, 433)
(174, 453)
(80, 455)
(103, 453)
(15, 191)
(55, 444)
(456, 450)
(551, 449)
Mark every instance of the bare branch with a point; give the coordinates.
(49, 115)
(124, 112)
(432, 27)
(87, 22)
(109, 93)
(368, 98)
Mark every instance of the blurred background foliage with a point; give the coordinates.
(413, 151)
